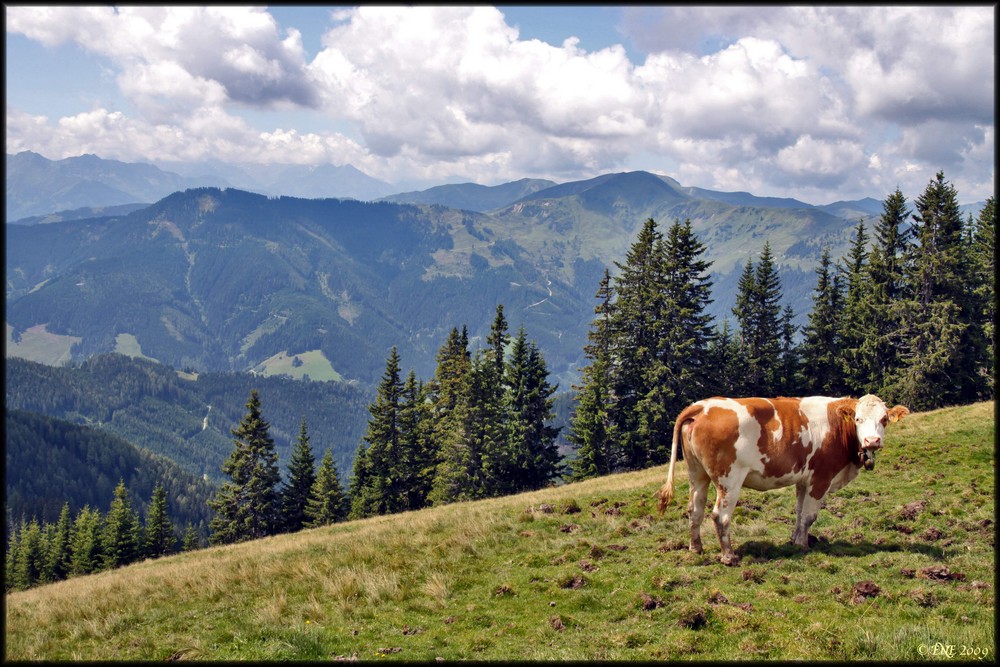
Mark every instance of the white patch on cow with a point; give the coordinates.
(869, 416)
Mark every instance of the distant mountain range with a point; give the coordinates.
(228, 280)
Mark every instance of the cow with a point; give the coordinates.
(818, 444)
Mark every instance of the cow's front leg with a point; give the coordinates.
(807, 509)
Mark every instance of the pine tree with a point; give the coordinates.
(86, 554)
(592, 429)
(378, 490)
(857, 317)
(449, 391)
(57, 562)
(758, 312)
(638, 329)
(821, 348)
(418, 456)
(530, 438)
(191, 541)
(29, 564)
(725, 362)
(327, 502)
(160, 536)
(686, 330)
(489, 415)
(121, 540)
(937, 367)
(982, 252)
(301, 476)
(11, 580)
(247, 508)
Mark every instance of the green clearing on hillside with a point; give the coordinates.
(313, 363)
(904, 563)
(128, 345)
(38, 344)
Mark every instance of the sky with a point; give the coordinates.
(819, 103)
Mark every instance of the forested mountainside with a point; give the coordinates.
(51, 462)
(225, 280)
(187, 420)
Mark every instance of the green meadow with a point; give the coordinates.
(902, 570)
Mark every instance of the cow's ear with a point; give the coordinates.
(846, 412)
(898, 413)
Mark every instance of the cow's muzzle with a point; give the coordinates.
(868, 458)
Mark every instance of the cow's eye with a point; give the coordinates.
(858, 420)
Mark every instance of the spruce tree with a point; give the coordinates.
(449, 391)
(530, 437)
(857, 317)
(121, 540)
(592, 427)
(489, 415)
(247, 507)
(936, 366)
(327, 502)
(376, 473)
(418, 456)
(11, 581)
(86, 555)
(758, 312)
(296, 490)
(191, 541)
(638, 329)
(29, 564)
(57, 562)
(160, 536)
(821, 348)
(982, 253)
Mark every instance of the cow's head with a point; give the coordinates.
(870, 417)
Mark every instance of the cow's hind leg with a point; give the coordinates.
(698, 496)
(725, 503)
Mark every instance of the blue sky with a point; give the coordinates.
(817, 103)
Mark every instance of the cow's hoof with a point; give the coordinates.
(696, 549)
(730, 559)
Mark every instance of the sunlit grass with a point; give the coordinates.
(584, 571)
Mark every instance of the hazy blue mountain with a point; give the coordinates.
(471, 196)
(226, 280)
(80, 214)
(38, 186)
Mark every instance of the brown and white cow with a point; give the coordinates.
(817, 444)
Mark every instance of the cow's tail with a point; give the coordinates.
(667, 490)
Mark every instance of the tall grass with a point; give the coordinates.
(584, 571)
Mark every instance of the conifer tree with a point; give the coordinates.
(449, 391)
(160, 536)
(418, 456)
(191, 541)
(121, 540)
(638, 329)
(758, 312)
(592, 428)
(86, 554)
(530, 437)
(879, 322)
(57, 562)
(821, 348)
(982, 252)
(11, 581)
(857, 316)
(489, 415)
(247, 507)
(301, 476)
(937, 367)
(377, 481)
(29, 565)
(725, 361)
(327, 502)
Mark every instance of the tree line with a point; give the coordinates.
(44, 552)
(479, 428)
(908, 315)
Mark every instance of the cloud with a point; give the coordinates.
(791, 101)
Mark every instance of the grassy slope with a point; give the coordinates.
(504, 579)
